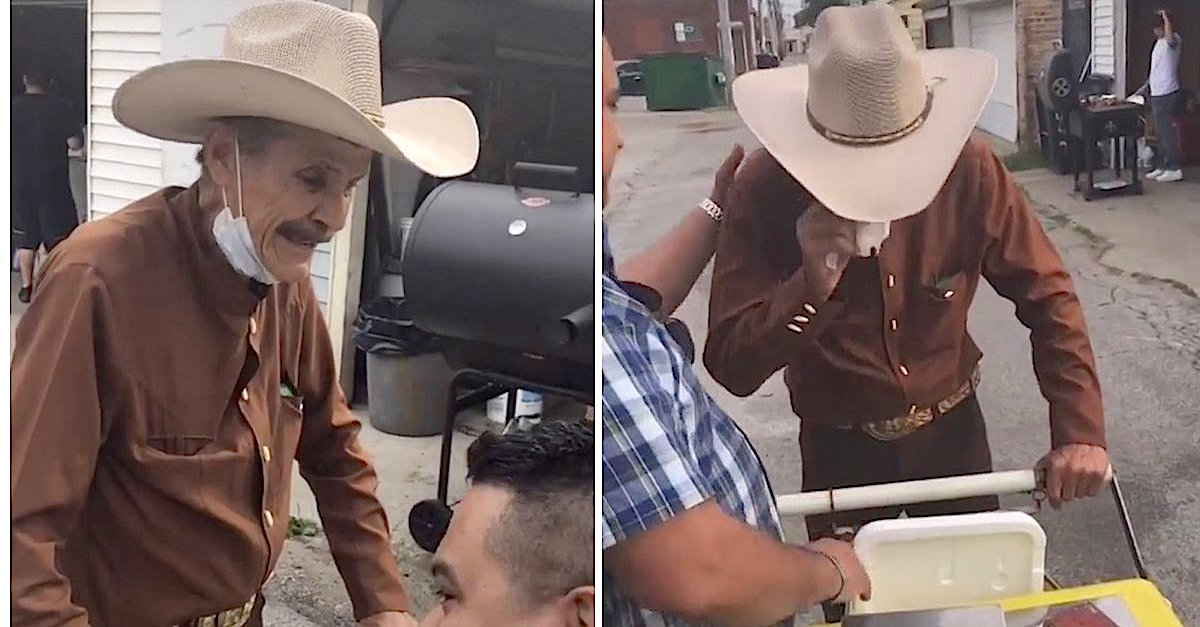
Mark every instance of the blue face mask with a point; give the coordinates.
(233, 234)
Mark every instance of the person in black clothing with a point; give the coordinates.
(43, 207)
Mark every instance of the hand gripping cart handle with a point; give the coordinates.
(1031, 482)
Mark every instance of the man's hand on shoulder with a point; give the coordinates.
(1074, 471)
(726, 176)
(389, 619)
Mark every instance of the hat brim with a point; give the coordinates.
(178, 101)
(875, 183)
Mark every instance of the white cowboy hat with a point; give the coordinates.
(308, 64)
(870, 126)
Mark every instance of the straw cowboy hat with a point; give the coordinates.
(309, 64)
(870, 126)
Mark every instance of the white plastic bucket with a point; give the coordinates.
(529, 406)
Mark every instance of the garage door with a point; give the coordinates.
(992, 30)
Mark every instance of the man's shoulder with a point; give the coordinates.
(975, 167)
(634, 340)
(617, 306)
(120, 243)
(762, 172)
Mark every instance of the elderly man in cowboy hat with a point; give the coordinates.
(175, 360)
(690, 530)
(860, 236)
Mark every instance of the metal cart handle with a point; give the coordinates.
(909, 492)
(1027, 481)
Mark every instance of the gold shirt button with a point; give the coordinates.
(266, 454)
(903, 370)
(891, 280)
(253, 327)
(895, 325)
(245, 395)
(268, 518)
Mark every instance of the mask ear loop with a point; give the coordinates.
(237, 163)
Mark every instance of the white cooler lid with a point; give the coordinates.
(949, 561)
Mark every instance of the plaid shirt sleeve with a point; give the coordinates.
(648, 476)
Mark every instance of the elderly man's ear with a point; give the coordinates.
(220, 160)
(582, 610)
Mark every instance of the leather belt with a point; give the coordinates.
(890, 429)
(236, 617)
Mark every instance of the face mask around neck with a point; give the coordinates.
(233, 234)
(869, 236)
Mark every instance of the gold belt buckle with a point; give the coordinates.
(890, 429)
(236, 617)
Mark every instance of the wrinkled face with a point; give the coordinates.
(478, 589)
(296, 194)
(610, 133)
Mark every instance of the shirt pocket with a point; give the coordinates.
(942, 312)
(291, 402)
(186, 433)
(947, 288)
(291, 408)
(179, 444)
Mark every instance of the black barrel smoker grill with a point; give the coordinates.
(1071, 127)
(506, 276)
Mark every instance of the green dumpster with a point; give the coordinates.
(683, 81)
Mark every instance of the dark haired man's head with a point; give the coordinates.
(520, 547)
(37, 77)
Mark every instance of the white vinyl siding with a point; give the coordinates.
(123, 165)
(1104, 48)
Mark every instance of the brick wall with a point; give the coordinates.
(1039, 24)
(636, 28)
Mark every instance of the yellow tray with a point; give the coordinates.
(1148, 606)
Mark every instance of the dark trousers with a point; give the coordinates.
(42, 215)
(953, 444)
(1165, 109)
(256, 619)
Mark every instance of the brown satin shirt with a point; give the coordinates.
(154, 428)
(894, 333)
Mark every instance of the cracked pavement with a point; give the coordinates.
(1136, 264)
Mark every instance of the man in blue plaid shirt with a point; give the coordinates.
(690, 530)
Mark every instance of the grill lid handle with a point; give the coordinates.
(578, 323)
(546, 176)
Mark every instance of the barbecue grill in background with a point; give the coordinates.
(1057, 88)
(505, 276)
(1061, 86)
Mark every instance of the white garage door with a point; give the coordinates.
(992, 30)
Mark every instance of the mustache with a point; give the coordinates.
(305, 231)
